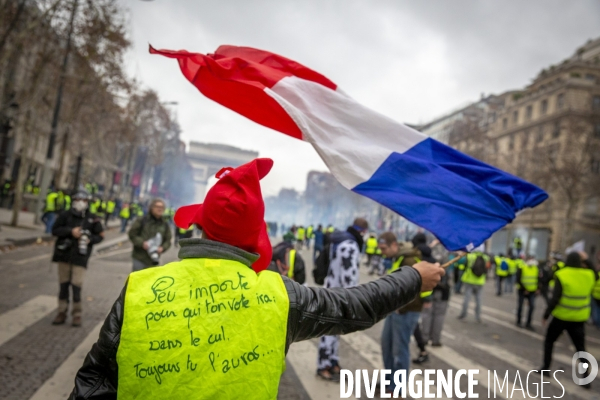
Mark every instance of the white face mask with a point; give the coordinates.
(80, 205)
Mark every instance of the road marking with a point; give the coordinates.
(526, 366)
(370, 350)
(303, 357)
(59, 386)
(46, 256)
(506, 325)
(510, 316)
(457, 361)
(18, 319)
(114, 253)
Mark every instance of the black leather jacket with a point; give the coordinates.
(313, 312)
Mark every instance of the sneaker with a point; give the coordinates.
(461, 316)
(436, 344)
(421, 359)
(76, 320)
(60, 318)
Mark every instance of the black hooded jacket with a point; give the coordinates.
(66, 247)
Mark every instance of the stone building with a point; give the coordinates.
(549, 134)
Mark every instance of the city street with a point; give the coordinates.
(38, 360)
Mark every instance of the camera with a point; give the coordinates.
(83, 241)
(153, 245)
(64, 244)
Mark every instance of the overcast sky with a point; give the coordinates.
(411, 60)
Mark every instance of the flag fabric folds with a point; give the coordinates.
(461, 200)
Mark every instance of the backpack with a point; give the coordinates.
(479, 268)
(321, 268)
(504, 265)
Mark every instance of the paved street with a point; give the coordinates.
(38, 360)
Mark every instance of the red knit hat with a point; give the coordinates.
(233, 211)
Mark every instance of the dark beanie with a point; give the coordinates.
(418, 239)
(573, 260)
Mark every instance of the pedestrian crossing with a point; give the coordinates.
(302, 356)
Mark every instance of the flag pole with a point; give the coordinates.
(449, 263)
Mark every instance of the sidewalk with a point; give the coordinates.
(27, 232)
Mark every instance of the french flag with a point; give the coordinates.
(462, 201)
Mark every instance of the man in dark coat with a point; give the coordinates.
(77, 231)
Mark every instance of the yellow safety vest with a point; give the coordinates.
(396, 266)
(67, 202)
(529, 277)
(469, 276)
(309, 232)
(300, 234)
(183, 230)
(125, 213)
(513, 265)
(371, 246)
(291, 262)
(51, 200)
(577, 286)
(202, 329)
(330, 229)
(110, 207)
(499, 271)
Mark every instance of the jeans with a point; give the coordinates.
(476, 290)
(433, 320)
(124, 224)
(530, 296)
(458, 284)
(138, 265)
(316, 251)
(509, 283)
(49, 219)
(499, 282)
(395, 341)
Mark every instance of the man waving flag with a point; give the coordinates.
(459, 199)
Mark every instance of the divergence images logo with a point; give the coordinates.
(587, 370)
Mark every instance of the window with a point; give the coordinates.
(511, 142)
(504, 123)
(544, 107)
(492, 117)
(528, 113)
(515, 117)
(590, 77)
(596, 103)
(553, 150)
(540, 134)
(597, 131)
(560, 101)
(556, 130)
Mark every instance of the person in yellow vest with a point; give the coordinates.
(596, 301)
(287, 261)
(459, 270)
(400, 325)
(50, 210)
(330, 229)
(371, 247)
(109, 209)
(216, 325)
(476, 264)
(309, 235)
(570, 305)
(300, 236)
(528, 278)
(125, 215)
(513, 266)
(501, 269)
